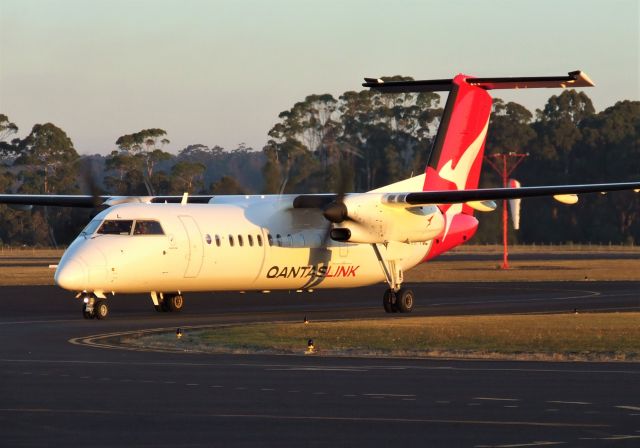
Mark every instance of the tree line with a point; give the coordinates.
(355, 142)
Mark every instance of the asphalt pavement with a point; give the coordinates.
(55, 393)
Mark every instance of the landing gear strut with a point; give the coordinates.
(396, 299)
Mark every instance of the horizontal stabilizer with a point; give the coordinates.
(573, 79)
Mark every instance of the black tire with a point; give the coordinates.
(405, 300)
(101, 309)
(175, 303)
(158, 308)
(387, 301)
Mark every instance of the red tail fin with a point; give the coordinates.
(456, 159)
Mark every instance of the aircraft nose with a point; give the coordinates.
(71, 275)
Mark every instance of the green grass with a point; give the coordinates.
(597, 336)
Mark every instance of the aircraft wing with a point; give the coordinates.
(89, 201)
(462, 196)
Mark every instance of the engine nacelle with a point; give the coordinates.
(368, 220)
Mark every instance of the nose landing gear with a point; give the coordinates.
(93, 307)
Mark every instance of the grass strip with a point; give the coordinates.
(589, 336)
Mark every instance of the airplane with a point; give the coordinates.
(166, 246)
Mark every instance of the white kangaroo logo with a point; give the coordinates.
(460, 174)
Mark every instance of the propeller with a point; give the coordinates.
(336, 211)
(88, 181)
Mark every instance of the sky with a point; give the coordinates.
(220, 72)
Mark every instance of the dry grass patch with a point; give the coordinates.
(591, 336)
(526, 271)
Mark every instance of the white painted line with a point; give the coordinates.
(629, 408)
(408, 399)
(128, 413)
(266, 389)
(496, 399)
(568, 402)
(616, 437)
(518, 445)
(391, 395)
(192, 384)
(216, 386)
(316, 369)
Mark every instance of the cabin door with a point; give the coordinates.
(195, 251)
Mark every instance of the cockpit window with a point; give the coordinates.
(148, 228)
(116, 227)
(91, 227)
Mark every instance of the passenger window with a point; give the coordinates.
(148, 228)
(217, 241)
(250, 240)
(116, 227)
(259, 237)
(270, 239)
(231, 240)
(240, 241)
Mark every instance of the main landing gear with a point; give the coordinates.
(164, 303)
(94, 307)
(400, 301)
(396, 299)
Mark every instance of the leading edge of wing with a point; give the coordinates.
(492, 194)
(88, 201)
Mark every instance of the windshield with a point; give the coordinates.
(147, 228)
(91, 227)
(116, 227)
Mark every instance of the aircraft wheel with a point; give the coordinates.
(175, 303)
(405, 300)
(387, 301)
(101, 309)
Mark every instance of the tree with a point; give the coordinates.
(48, 164)
(509, 128)
(7, 128)
(48, 154)
(557, 129)
(147, 144)
(227, 185)
(187, 176)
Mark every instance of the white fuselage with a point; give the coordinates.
(225, 245)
